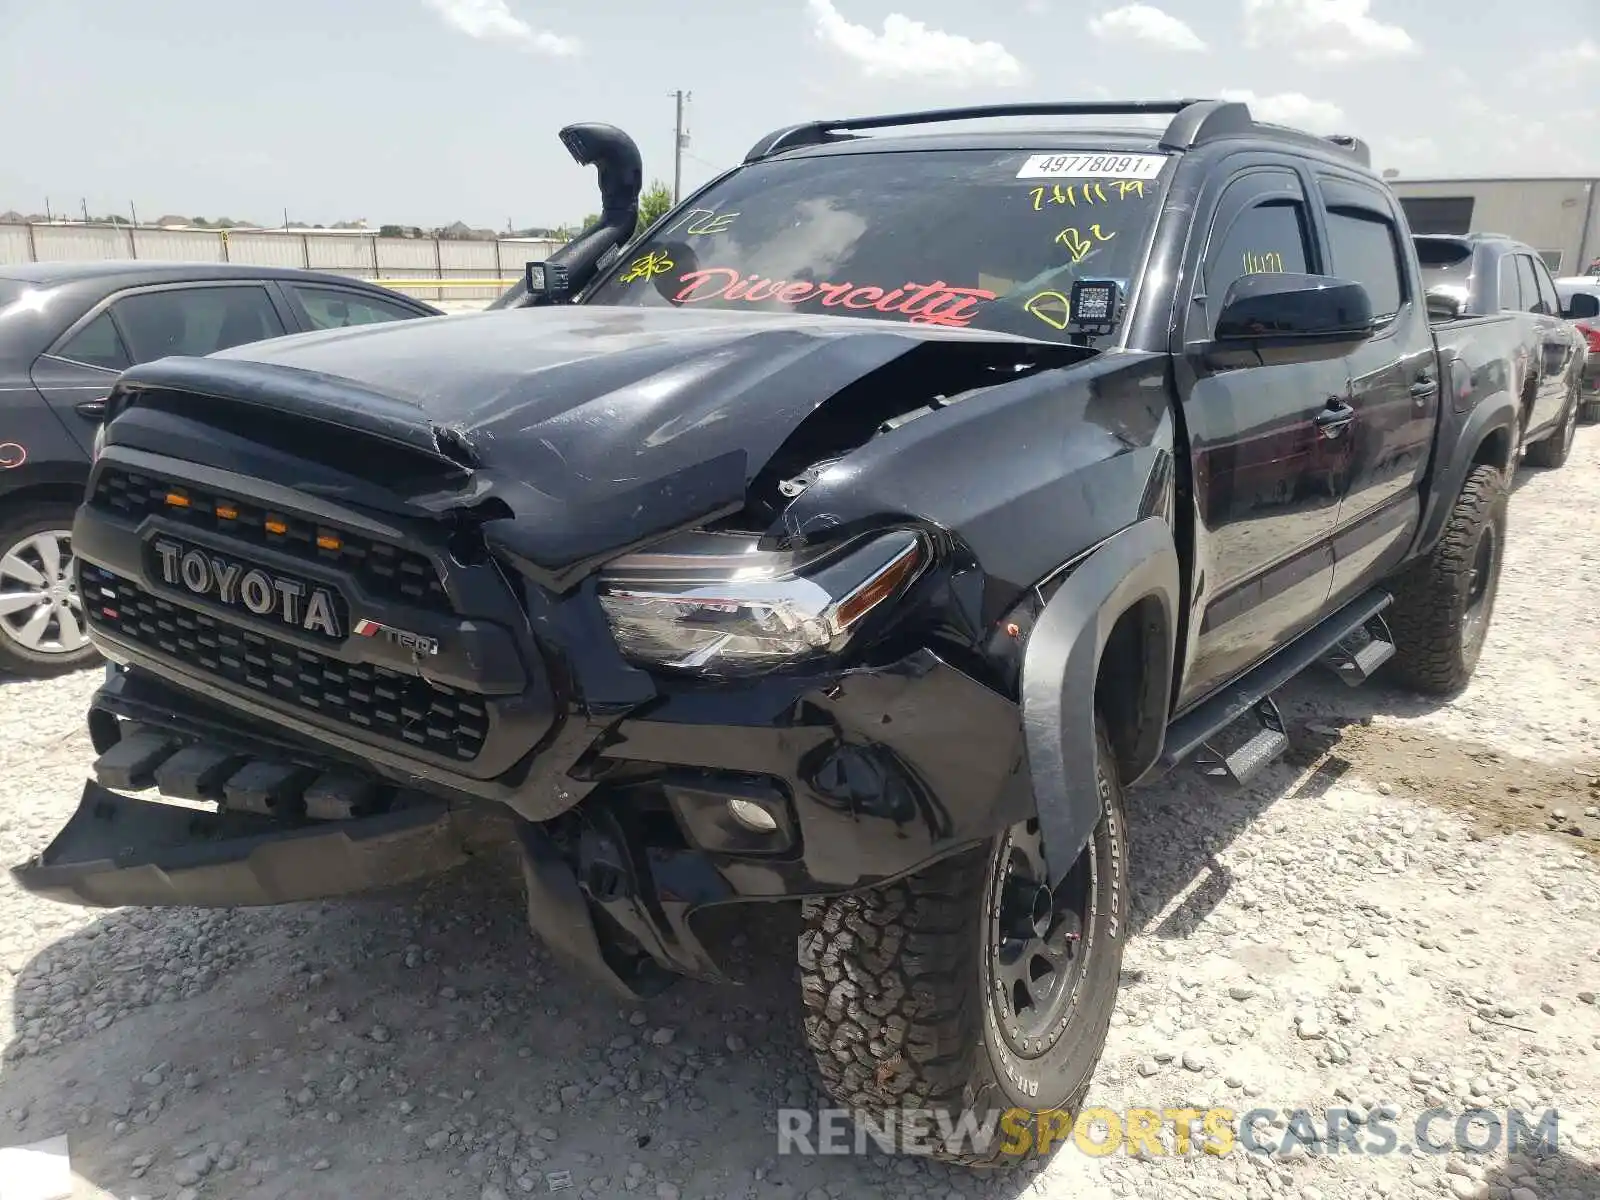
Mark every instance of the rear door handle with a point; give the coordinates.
(94, 410)
(1425, 386)
(1335, 418)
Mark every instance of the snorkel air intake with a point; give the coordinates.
(616, 159)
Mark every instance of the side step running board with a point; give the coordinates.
(1251, 753)
(1358, 655)
(1247, 700)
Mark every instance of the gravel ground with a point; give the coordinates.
(1405, 914)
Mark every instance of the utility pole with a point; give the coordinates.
(85, 202)
(679, 140)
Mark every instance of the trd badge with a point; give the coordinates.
(403, 638)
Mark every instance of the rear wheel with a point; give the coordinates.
(1444, 602)
(972, 987)
(42, 630)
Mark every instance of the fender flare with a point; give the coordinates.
(1499, 411)
(1060, 667)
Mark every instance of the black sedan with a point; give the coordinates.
(66, 331)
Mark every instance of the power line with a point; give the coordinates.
(702, 162)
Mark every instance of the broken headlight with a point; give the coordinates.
(714, 604)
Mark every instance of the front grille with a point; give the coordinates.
(386, 571)
(399, 708)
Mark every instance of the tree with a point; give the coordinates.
(653, 204)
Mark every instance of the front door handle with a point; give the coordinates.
(94, 410)
(1334, 419)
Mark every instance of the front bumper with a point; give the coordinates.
(867, 776)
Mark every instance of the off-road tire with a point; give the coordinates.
(893, 983)
(1553, 450)
(1436, 647)
(17, 659)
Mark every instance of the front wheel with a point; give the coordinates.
(42, 630)
(972, 994)
(1443, 603)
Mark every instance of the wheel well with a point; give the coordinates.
(44, 492)
(1494, 450)
(1131, 686)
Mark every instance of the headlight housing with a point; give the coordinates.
(714, 604)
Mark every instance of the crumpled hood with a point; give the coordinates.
(574, 374)
(598, 426)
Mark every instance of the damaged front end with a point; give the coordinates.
(684, 604)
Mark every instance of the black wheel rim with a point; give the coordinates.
(1038, 941)
(1480, 585)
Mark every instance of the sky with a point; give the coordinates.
(428, 111)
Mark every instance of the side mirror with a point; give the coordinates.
(1583, 306)
(546, 282)
(1285, 311)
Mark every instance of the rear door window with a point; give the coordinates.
(195, 320)
(1364, 247)
(1547, 289)
(97, 344)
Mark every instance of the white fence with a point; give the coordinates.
(467, 270)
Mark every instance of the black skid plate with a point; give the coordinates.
(119, 850)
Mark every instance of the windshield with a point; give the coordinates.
(982, 238)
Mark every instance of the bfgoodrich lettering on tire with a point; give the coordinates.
(971, 985)
(1444, 602)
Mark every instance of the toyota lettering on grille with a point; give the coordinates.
(292, 601)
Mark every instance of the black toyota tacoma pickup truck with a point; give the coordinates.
(856, 536)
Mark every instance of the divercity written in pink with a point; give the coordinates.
(937, 303)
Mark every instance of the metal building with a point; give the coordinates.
(1557, 216)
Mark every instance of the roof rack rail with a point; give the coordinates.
(1193, 122)
(816, 133)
